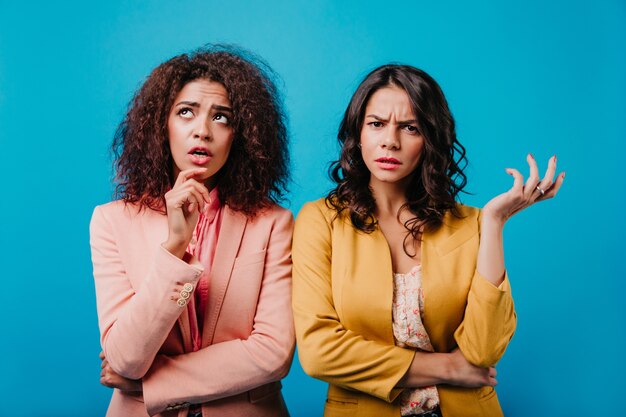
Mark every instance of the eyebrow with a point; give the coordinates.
(195, 104)
(222, 108)
(401, 122)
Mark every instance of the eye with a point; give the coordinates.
(185, 113)
(221, 118)
(376, 124)
(412, 129)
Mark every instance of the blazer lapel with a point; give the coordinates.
(231, 233)
(430, 286)
(380, 297)
(363, 261)
(441, 281)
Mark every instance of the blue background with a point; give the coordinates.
(533, 76)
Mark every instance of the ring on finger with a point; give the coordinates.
(541, 190)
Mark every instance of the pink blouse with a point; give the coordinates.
(202, 246)
(408, 330)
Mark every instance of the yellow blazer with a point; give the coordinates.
(342, 301)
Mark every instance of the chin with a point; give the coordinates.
(388, 178)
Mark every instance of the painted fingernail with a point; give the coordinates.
(554, 156)
(564, 175)
(531, 156)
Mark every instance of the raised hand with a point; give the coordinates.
(523, 195)
(184, 202)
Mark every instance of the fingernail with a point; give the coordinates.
(564, 175)
(531, 156)
(554, 156)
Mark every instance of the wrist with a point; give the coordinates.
(448, 368)
(442, 367)
(493, 219)
(175, 247)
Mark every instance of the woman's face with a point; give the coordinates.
(391, 142)
(199, 128)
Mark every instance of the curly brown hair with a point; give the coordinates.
(256, 172)
(438, 178)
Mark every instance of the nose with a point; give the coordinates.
(390, 139)
(201, 129)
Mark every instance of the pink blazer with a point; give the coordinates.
(248, 337)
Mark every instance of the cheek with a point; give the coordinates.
(417, 150)
(174, 135)
(176, 144)
(368, 146)
(225, 148)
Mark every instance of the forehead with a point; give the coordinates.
(202, 89)
(389, 99)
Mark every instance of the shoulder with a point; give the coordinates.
(115, 210)
(104, 213)
(317, 210)
(273, 214)
(463, 225)
(316, 222)
(467, 216)
(119, 214)
(277, 212)
(112, 208)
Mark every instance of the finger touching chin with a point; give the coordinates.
(105, 381)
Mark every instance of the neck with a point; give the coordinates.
(390, 197)
(210, 184)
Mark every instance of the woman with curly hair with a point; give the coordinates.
(401, 299)
(192, 263)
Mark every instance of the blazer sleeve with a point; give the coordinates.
(489, 321)
(133, 323)
(328, 350)
(235, 366)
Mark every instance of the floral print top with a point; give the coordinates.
(408, 330)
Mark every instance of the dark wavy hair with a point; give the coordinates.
(439, 177)
(256, 172)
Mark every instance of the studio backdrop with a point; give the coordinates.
(535, 76)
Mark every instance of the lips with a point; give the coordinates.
(387, 160)
(200, 155)
(387, 163)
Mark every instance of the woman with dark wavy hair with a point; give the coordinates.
(401, 299)
(192, 263)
